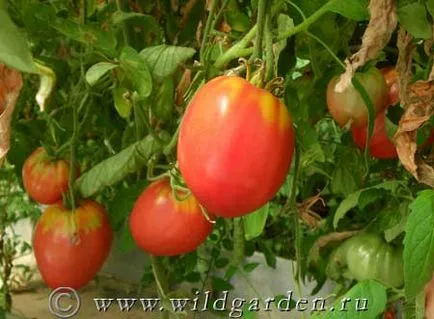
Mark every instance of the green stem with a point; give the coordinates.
(239, 242)
(172, 144)
(262, 8)
(235, 51)
(307, 22)
(160, 280)
(120, 7)
(207, 31)
(269, 54)
(334, 56)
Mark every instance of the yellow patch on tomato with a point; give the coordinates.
(188, 205)
(267, 107)
(284, 118)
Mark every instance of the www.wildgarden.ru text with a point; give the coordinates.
(235, 307)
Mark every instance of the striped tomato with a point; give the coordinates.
(163, 226)
(71, 247)
(235, 146)
(45, 180)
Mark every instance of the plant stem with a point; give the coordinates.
(307, 22)
(269, 54)
(172, 144)
(327, 48)
(120, 7)
(239, 242)
(160, 280)
(262, 8)
(207, 31)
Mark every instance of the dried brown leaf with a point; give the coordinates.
(10, 87)
(381, 25)
(182, 87)
(403, 66)
(419, 109)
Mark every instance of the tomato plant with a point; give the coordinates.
(380, 144)
(71, 247)
(162, 225)
(45, 180)
(349, 106)
(235, 146)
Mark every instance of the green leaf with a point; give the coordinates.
(370, 292)
(126, 240)
(254, 223)
(14, 48)
(221, 262)
(413, 17)
(353, 9)
(163, 102)
(121, 205)
(88, 34)
(352, 200)
(391, 128)
(250, 267)
(393, 232)
(116, 168)
(221, 284)
(98, 70)
(137, 71)
(120, 17)
(122, 103)
(430, 7)
(419, 244)
(163, 60)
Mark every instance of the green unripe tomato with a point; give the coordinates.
(369, 256)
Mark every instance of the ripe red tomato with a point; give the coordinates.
(69, 256)
(235, 146)
(164, 226)
(389, 314)
(380, 146)
(45, 180)
(349, 105)
(391, 77)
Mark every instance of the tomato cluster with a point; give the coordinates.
(69, 246)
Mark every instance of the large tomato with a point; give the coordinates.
(163, 226)
(380, 145)
(71, 247)
(391, 77)
(349, 106)
(45, 180)
(235, 146)
(368, 256)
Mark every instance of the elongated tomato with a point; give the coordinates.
(163, 226)
(235, 146)
(70, 248)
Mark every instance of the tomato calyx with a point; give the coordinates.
(180, 191)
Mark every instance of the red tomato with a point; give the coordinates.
(70, 248)
(429, 300)
(391, 77)
(390, 314)
(164, 226)
(380, 146)
(235, 146)
(45, 180)
(349, 105)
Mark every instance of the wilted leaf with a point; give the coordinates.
(164, 59)
(404, 64)
(381, 25)
(46, 84)
(10, 87)
(419, 110)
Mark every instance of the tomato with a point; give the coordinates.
(389, 314)
(235, 146)
(349, 105)
(368, 256)
(45, 180)
(391, 77)
(163, 226)
(380, 145)
(429, 299)
(71, 247)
